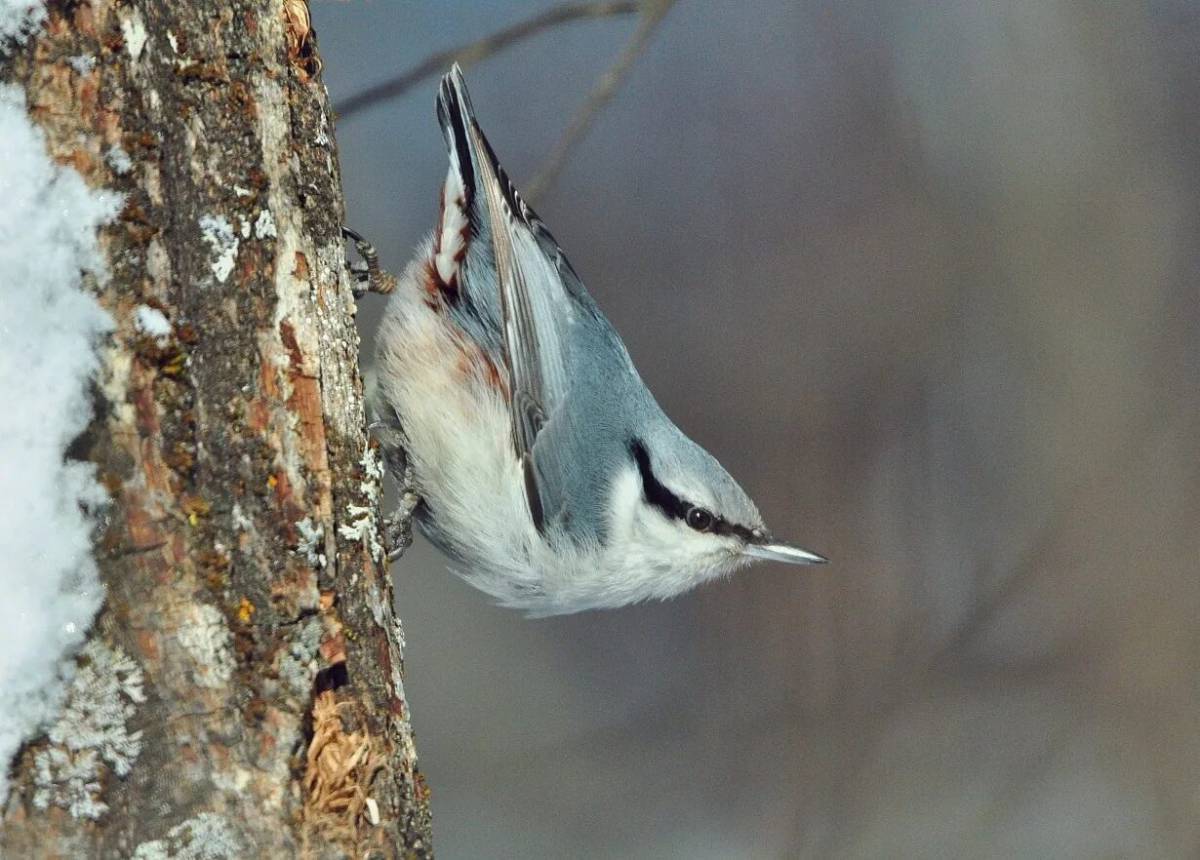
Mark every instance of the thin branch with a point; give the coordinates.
(652, 13)
(473, 52)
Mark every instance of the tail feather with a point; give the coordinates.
(472, 162)
(456, 117)
(455, 226)
(468, 145)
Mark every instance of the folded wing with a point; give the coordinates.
(538, 290)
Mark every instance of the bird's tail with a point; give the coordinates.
(457, 119)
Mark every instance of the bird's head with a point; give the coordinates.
(682, 519)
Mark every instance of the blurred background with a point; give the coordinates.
(924, 277)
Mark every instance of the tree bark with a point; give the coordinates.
(241, 692)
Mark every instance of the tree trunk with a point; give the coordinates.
(242, 686)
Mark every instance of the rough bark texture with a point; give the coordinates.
(241, 555)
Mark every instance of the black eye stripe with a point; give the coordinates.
(655, 493)
(669, 503)
(724, 527)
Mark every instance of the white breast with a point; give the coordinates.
(456, 430)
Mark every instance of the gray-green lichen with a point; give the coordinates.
(298, 665)
(312, 542)
(206, 836)
(91, 734)
(364, 527)
(205, 636)
(223, 242)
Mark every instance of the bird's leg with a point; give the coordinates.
(368, 277)
(397, 525)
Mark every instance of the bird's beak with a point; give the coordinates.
(770, 550)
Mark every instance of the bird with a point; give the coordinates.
(531, 451)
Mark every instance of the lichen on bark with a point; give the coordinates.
(244, 578)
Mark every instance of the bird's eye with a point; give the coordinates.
(699, 519)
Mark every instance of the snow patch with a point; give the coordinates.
(90, 730)
(82, 63)
(152, 322)
(118, 159)
(133, 28)
(218, 233)
(49, 328)
(264, 226)
(19, 18)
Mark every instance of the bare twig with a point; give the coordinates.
(652, 13)
(469, 54)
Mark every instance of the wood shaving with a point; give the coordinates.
(339, 770)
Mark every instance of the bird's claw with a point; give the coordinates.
(366, 275)
(397, 533)
(397, 525)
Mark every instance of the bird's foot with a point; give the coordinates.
(397, 525)
(397, 528)
(366, 275)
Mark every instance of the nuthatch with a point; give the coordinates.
(545, 468)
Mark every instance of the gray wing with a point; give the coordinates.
(540, 296)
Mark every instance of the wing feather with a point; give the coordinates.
(538, 290)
